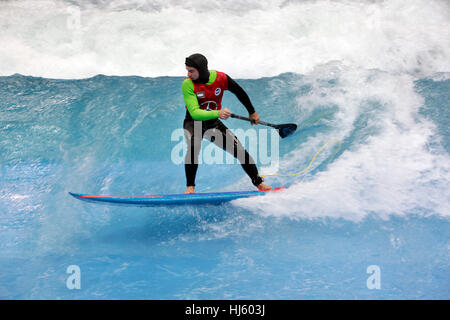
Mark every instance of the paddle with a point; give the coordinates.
(283, 129)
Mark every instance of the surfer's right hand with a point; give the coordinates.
(224, 113)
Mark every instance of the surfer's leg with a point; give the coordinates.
(193, 135)
(231, 144)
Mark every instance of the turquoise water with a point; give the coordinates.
(90, 102)
(111, 135)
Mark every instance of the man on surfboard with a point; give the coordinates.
(203, 91)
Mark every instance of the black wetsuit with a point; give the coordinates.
(214, 128)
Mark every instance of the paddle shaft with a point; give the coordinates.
(250, 120)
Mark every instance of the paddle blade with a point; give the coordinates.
(286, 129)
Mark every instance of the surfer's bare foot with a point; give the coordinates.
(190, 190)
(263, 187)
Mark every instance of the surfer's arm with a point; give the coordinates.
(190, 99)
(242, 96)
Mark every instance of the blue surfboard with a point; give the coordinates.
(213, 198)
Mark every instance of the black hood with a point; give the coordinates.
(199, 62)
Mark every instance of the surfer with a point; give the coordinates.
(203, 91)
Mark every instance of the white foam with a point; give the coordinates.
(386, 169)
(18, 197)
(247, 39)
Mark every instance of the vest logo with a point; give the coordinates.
(218, 91)
(208, 105)
(201, 95)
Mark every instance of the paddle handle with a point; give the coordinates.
(251, 120)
